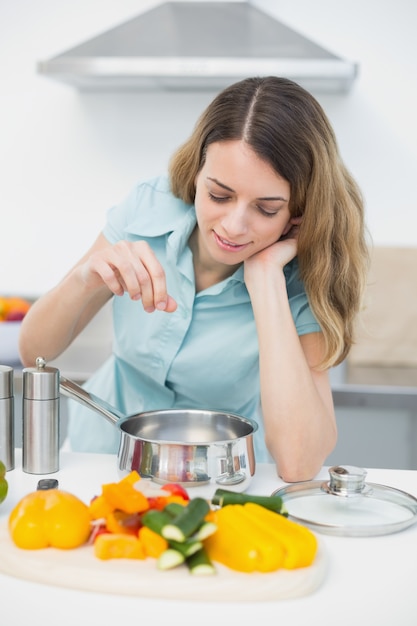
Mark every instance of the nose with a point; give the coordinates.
(234, 222)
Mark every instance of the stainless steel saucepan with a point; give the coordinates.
(191, 447)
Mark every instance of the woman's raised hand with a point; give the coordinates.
(129, 267)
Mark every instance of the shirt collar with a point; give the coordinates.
(157, 211)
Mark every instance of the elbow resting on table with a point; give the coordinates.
(297, 467)
(292, 473)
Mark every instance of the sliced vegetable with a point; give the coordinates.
(156, 520)
(176, 490)
(124, 497)
(116, 546)
(241, 545)
(153, 543)
(205, 530)
(200, 564)
(97, 530)
(169, 559)
(174, 508)
(223, 497)
(188, 521)
(130, 479)
(187, 548)
(160, 502)
(252, 538)
(119, 522)
(99, 507)
(298, 542)
(121, 496)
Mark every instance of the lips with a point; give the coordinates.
(227, 245)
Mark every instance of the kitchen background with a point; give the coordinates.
(66, 156)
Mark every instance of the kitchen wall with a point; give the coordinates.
(65, 157)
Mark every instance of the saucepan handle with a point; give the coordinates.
(76, 392)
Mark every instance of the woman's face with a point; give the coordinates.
(241, 204)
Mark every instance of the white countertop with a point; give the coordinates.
(370, 580)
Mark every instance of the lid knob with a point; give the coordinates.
(346, 480)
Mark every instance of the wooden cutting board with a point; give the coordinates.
(79, 569)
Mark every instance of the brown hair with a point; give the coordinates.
(286, 126)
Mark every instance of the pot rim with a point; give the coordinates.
(176, 411)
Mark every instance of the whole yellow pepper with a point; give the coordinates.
(49, 518)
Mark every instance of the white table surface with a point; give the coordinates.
(371, 580)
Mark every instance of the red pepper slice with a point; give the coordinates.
(176, 490)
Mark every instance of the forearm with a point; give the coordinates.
(296, 401)
(57, 318)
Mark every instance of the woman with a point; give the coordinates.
(235, 280)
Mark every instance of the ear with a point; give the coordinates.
(293, 221)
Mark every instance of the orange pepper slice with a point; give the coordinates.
(124, 497)
(118, 547)
(99, 507)
(153, 544)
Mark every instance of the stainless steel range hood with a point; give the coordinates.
(198, 45)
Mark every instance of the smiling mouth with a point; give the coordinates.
(225, 244)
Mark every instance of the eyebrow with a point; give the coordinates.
(214, 180)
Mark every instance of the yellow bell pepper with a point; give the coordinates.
(251, 538)
(239, 544)
(49, 518)
(298, 542)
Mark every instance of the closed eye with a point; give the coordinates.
(222, 199)
(218, 198)
(266, 213)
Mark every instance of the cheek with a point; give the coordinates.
(270, 233)
(205, 210)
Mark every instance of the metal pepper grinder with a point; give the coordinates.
(40, 412)
(6, 417)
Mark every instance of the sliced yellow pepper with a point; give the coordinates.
(252, 538)
(239, 544)
(298, 542)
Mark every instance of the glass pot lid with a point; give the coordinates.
(348, 506)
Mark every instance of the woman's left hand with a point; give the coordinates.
(278, 254)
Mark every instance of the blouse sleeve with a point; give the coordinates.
(304, 319)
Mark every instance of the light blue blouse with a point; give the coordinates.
(204, 355)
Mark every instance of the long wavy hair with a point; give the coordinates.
(286, 126)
